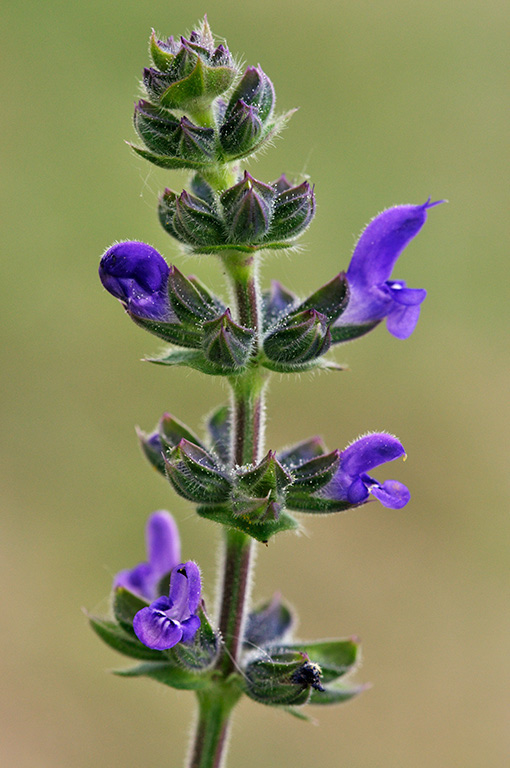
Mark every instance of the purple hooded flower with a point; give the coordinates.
(171, 620)
(373, 295)
(163, 553)
(352, 483)
(137, 274)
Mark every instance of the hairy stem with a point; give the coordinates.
(215, 704)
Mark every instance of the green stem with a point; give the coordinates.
(216, 703)
(214, 708)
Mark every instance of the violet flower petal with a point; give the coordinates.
(352, 483)
(164, 553)
(155, 630)
(170, 620)
(372, 295)
(163, 543)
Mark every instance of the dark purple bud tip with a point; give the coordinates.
(136, 274)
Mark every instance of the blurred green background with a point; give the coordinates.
(398, 100)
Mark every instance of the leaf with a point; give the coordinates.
(168, 674)
(336, 693)
(114, 636)
(261, 531)
(193, 359)
(125, 606)
(335, 657)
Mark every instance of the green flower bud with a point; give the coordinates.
(226, 343)
(195, 475)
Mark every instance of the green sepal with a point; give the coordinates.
(261, 531)
(283, 678)
(198, 89)
(125, 606)
(312, 365)
(170, 163)
(299, 338)
(116, 637)
(172, 431)
(162, 59)
(269, 132)
(192, 359)
(302, 501)
(316, 473)
(335, 657)
(267, 477)
(303, 452)
(340, 333)
(330, 300)
(226, 344)
(194, 475)
(175, 333)
(168, 674)
(336, 693)
(203, 650)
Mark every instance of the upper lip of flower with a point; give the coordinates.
(373, 295)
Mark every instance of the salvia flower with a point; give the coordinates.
(137, 275)
(373, 294)
(163, 554)
(352, 484)
(173, 619)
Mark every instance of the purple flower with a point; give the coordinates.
(163, 553)
(352, 483)
(137, 274)
(171, 620)
(373, 296)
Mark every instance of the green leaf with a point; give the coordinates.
(125, 606)
(335, 657)
(114, 636)
(261, 531)
(336, 694)
(301, 501)
(192, 359)
(341, 333)
(168, 674)
(164, 161)
(313, 365)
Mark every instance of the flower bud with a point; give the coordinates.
(190, 220)
(256, 90)
(240, 133)
(293, 211)
(226, 343)
(172, 142)
(191, 300)
(247, 208)
(195, 475)
(284, 678)
(137, 275)
(269, 476)
(189, 74)
(301, 337)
